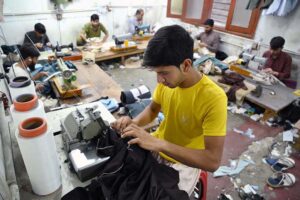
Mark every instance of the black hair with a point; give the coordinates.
(209, 22)
(94, 17)
(40, 28)
(28, 50)
(277, 42)
(170, 45)
(139, 11)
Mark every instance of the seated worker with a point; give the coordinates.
(192, 135)
(136, 20)
(92, 29)
(28, 58)
(209, 38)
(38, 37)
(278, 62)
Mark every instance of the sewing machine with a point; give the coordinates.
(142, 29)
(253, 62)
(122, 43)
(83, 129)
(66, 83)
(142, 32)
(63, 50)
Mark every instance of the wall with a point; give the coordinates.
(20, 17)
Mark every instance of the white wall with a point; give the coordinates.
(20, 17)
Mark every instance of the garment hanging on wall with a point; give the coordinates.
(252, 4)
(266, 4)
(281, 7)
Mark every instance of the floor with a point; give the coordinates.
(236, 146)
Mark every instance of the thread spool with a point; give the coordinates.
(38, 150)
(21, 85)
(26, 106)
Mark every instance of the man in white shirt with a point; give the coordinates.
(136, 20)
(28, 58)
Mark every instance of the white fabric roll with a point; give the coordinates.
(37, 111)
(41, 162)
(14, 92)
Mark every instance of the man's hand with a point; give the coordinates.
(121, 123)
(270, 71)
(39, 87)
(39, 75)
(202, 44)
(42, 74)
(141, 138)
(49, 44)
(39, 45)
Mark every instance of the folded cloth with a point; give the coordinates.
(216, 62)
(131, 96)
(111, 104)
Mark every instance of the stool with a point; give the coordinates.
(202, 185)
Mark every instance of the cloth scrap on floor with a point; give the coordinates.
(229, 171)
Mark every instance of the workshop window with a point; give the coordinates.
(229, 15)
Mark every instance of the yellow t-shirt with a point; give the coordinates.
(191, 113)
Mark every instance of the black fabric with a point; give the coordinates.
(252, 4)
(127, 97)
(7, 49)
(220, 55)
(291, 112)
(266, 4)
(131, 173)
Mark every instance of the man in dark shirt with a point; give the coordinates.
(278, 62)
(209, 38)
(38, 37)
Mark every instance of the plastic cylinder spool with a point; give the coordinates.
(38, 150)
(25, 102)
(20, 81)
(32, 127)
(21, 85)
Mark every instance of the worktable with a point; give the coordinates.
(274, 98)
(106, 54)
(97, 82)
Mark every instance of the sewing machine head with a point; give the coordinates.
(119, 39)
(252, 61)
(142, 29)
(83, 125)
(67, 74)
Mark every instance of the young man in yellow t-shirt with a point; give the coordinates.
(191, 137)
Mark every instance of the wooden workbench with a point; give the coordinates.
(98, 84)
(108, 55)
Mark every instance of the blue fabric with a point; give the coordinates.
(216, 62)
(111, 104)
